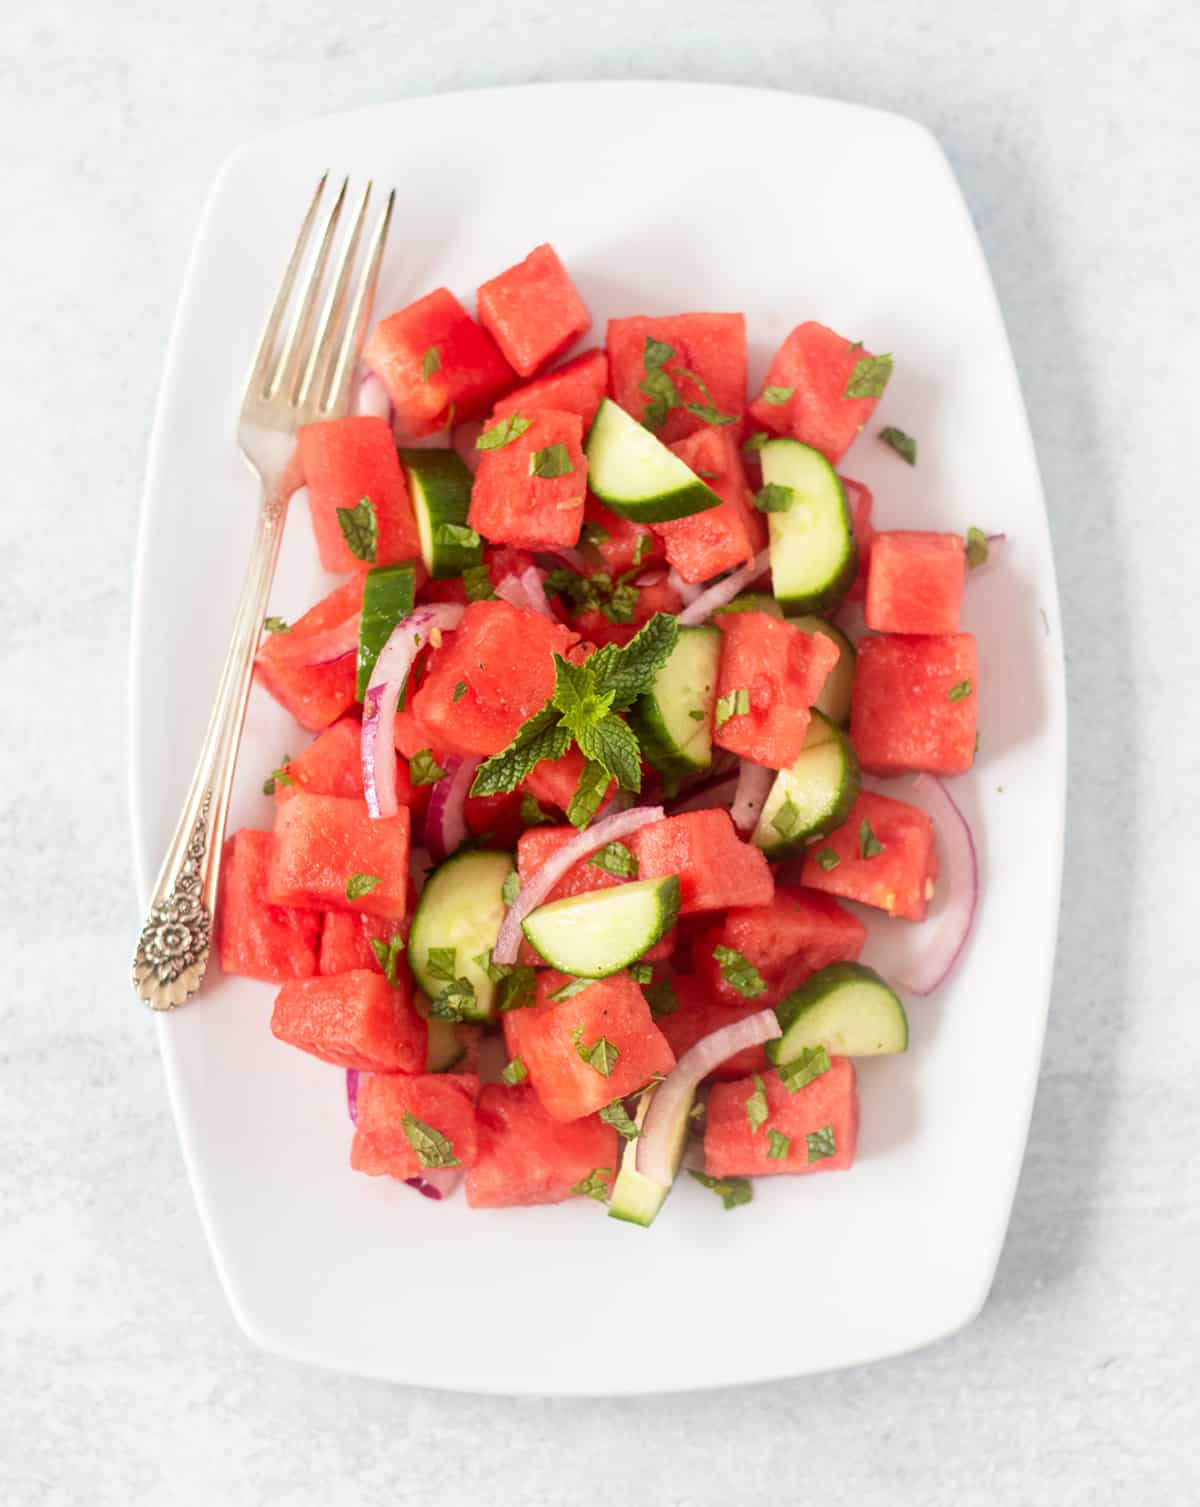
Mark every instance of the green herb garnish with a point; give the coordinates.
(960, 691)
(869, 845)
(811, 1063)
(732, 1191)
(615, 858)
(739, 972)
(594, 1184)
(571, 988)
(977, 548)
(756, 1105)
(736, 704)
(432, 1147)
(869, 377)
(774, 498)
(424, 769)
(440, 963)
(903, 444)
(828, 858)
(661, 998)
(360, 529)
(514, 1072)
(477, 581)
(614, 1114)
(550, 462)
(387, 955)
(460, 690)
(602, 1054)
(821, 1143)
(278, 776)
(787, 818)
(778, 1145)
(511, 887)
(430, 362)
(777, 394)
(358, 885)
(518, 990)
(509, 428)
(454, 1001)
(275, 625)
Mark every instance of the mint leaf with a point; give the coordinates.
(977, 548)
(594, 534)
(511, 887)
(440, 963)
(821, 1143)
(593, 784)
(611, 743)
(777, 394)
(787, 818)
(869, 845)
(709, 414)
(739, 972)
(577, 697)
(755, 443)
(387, 955)
(656, 353)
(774, 498)
(642, 546)
(509, 428)
(275, 625)
(430, 362)
(454, 1001)
(519, 989)
(424, 769)
(756, 1105)
(663, 395)
(640, 973)
(594, 1184)
(358, 885)
(360, 529)
(732, 1191)
(811, 1063)
(602, 1054)
(869, 377)
(903, 444)
(532, 814)
(736, 704)
(432, 1147)
(828, 858)
(514, 1072)
(661, 998)
(550, 462)
(571, 988)
(960, 691)
(697, 715)
(614, 1114)
(478, 584)
(621, 606)
(628, 671)
(278, 776)
(460, 690)
(615, 858)
(457, 534)
(537, 739)
(778, 1145)
(853, 345)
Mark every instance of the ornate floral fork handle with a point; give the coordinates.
(305, 377)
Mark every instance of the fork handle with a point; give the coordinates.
(176, 938)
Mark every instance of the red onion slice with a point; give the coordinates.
(372, 400)
(437, 1182)
(352, 1076)
(715, 794)
(408, 638)
(446, 818)
(686, 591)
(526, 589)
(325, 647)
(703, 607)
(674, 1094)
(571, 558)
(959, 878)
(539, 885)
(753, 786)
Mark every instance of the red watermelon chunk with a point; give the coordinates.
(354, 1020)
(526, 1157)
(915, 583)
(316, 695)
(899, 879)
(533, 311)
(346, 942)
(820, 1117)
(345, 460)
(551, 1036)
(444, 1102)
(786, 941)
(859, 500)
(914, 703)
(512, 504)
(813, 367)
(700, 1014)
(716, 868)
(575, 387)
(255, 938)
(330, 765)
(322, 840)
(782, 670)
(460, 380)
(504, 656)
(711, 347)
(704, 545)
(619, 542)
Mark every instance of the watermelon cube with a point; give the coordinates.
(703, 545)
(390, 1105)
(438, 366)
(706, 365)
(255, 938)
(716, 868)
(531, 490)
(533, 311)
(504, 657)
(819, 1120)
(915, 583)
(859, 500)
(882, 855)
(700, 1014)
(786, 941)
(330, 765)
(346, 460)
(914, 703)
(780, 669)
(315, 694)
(354, 1020)
(588, 1049)
(618, 542)
(525, 1157)
(346, 938)
(575, 387)
(322, 842)
(805, 391)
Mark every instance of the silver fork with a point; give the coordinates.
(295, 380)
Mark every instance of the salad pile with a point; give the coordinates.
(567, 880)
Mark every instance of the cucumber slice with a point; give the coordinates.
(674, 718)
(752, 601)
(813, 559)
(636, 1198)
(461, 908)
(439, 483)
(834, 699)
(812, 797)
(636, 475)
(388, 592)
(602, 931)
(845, 1008)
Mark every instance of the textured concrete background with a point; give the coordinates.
(1075, 131)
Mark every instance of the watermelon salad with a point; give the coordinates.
(568, 878)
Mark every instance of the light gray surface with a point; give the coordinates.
(1075, 133)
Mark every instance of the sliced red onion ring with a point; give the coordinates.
(325, 647)
(526, 589)
(959, 879)
(753, 786)
(687, 592)
(674, 1094)
(712, 597)
(408, 638)
(446, 818)
(716, 793)
(372, 400)
(352, 1076)
(539, 885)
(438, 1182)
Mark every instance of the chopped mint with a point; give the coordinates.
(777, 394)
(509, 428)
(594, 1185)
(358, 885)
(514, 1072)
(821, 1143)
(869, 377)
(756, 1105)
(511, 887)
(640, 973)
(430, 362)
(531, 812)
(869, 845)
(774, 498)
(424, 769)
(440, 963)
(739, 972)
(696, 715)
(477, 582)
(432, 1147)
(756, 441)
(960, 691)
(977, 548)
(614, 1114)
(460, 690)
(732, 1191)
(787, 818)
(903, 444)
(615, 858)
(661, 998)
(275, 625)
(278, 776)
(360, 529)
(571, 988)
(518, 990)
(602, 1054)
(553, 461)
(778, 1145)
(736, 704)
(454, 1001)
(828, 858)
(387, 955)
(811, 1063)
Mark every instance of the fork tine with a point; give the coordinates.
(295, 349)
(338, 399)
(264, 357)
(312, 387)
